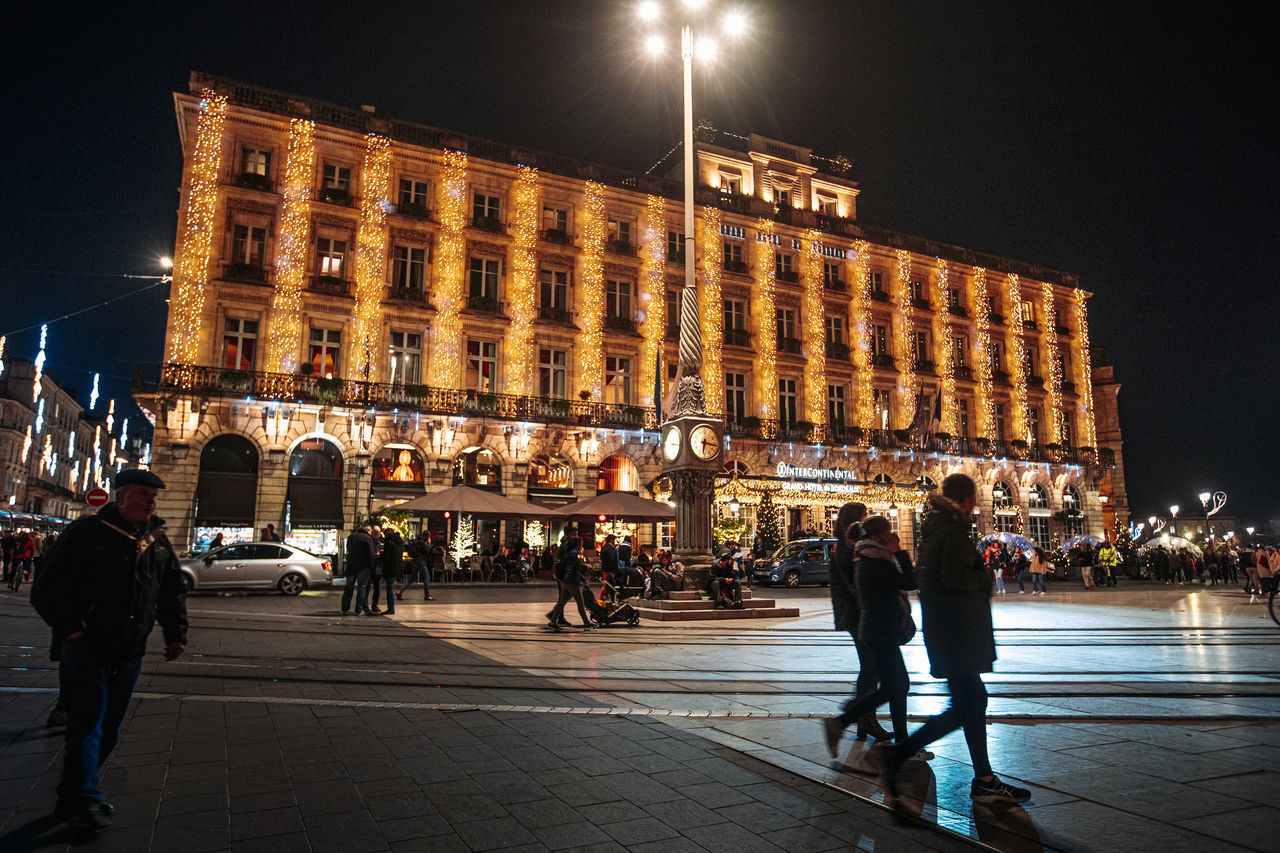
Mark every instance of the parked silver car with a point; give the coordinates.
(257, 565)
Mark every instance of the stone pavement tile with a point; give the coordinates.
(1142, 793)
(511, 786)
(598, 765)
(649, 763)
(186, 833)
(326, 797)
(530, 758)
(557, 775)
(427, 771)
(683, 814)
(125, 780)
(757, 818)
(296, 842)
(493, 834)
(1252, 827)
(1184, 738)
(398, 785)
(1256, 757)
(352, 831)
(410, 825)
(611, 812)
(802, 839)
(392, 806)
(668, 845)
(265, 781)
(714, 795)
(637, 788)
(1109, 830)
(725, 771)
(730, 838)
(562, 836)
(858, 831)
(631, 832)
(284, 821)
(607, 847)
(467, 807)
(1256, 787)
(795, 803)
(1168, 763)
(680, 778)
(243, 802)
(183, 804)
(536, 814)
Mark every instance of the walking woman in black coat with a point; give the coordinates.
(882, 575)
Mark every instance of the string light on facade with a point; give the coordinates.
(291, 254)
(766, 317)
(40, 416)
(26, 445)
(1088, 425)
(653, 249)
(860, 332)
(945, 341)
(815, 333)
(524, 282)
(1017, 353)
(983, 365)
(446, 361)
(93, 395)
(1056, 419)
(196, 250)
(904, 332)
(2, 340)
(36, 383)
(711, 305)
(594, 228)
(371, 254)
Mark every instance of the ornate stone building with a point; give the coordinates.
(364, 309)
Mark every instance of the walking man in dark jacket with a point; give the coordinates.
(392, 564)
(955, 603)
(106, 583)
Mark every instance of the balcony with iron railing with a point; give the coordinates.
(737, 267)
(336, 196)
(737, 338)
(415, 295)
(329, 284)
(787, 277)
(492, 224)
(172, 380)
(253, 181)
(413, 210)
(789, 345)
(559, 236)
(554, 314)
(834, 284)
(249, 273)
(621, 247)
(620, 324)
(485, 305)
(837, 352)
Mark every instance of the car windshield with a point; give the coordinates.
(788, 550)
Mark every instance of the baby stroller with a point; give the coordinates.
(612, 606)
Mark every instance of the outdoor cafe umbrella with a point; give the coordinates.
(478, 503)
(622, 506)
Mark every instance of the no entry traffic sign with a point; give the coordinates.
(97, 497)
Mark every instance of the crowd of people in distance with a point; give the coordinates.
(23, 550)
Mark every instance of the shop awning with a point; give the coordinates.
(225, 499)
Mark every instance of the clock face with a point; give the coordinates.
(671, 444)
(704, 442)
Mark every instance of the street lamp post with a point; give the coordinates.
(692, 440)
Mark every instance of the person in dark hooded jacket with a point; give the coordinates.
(882, 574)
(107, 582)
(955, 603)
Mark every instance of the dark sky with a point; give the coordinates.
(1123, 145)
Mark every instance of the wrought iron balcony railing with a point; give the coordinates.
(183, 379)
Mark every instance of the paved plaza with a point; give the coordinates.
(1142, 718)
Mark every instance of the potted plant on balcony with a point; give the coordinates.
(486, 402)
(902, 436)
(943, 438)
(1019, 447)
(1088, 455)
(984, 445)
(328, 390)
(1054, 450)
(855, 433)
(234, 380)
(336, 195)
(416, 392)
(560, 408)
(633, 414)
(804, 428)
(750, 423)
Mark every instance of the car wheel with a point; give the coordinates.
(792, 579)
(292, 583)
(187, 583)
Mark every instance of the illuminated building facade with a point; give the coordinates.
(364, 309)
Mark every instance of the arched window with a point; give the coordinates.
(1072, 516)
(315, 483)
(925, 482)
(736, 466)
(477, 466)
(882, 480)
(1070, 498)
(228, 488)
(1003, 496)
(617, 474)
(1037, 497)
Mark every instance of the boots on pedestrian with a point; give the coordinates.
(869, 725)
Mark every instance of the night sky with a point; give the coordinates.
(1124, 146)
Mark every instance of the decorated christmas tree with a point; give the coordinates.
(464, 541)
(769, 523)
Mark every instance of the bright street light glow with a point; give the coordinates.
(1173, 510)
(1152, 520)
(166, 262)
(735, 23)
(693, 4)
(705, 49)
(1204, 497)
(653, 45)
(648, 11)
(1249, 530)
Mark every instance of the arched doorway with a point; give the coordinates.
(1004, 504)
(617, 474)
(313, 509)
(226, 493)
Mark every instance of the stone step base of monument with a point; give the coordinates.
(689, 605)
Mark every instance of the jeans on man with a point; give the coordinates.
(95, 692)
(968, 711)
(417, 568)
(352, 588)
(390, 584)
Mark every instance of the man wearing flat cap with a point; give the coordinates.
(105, 584)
